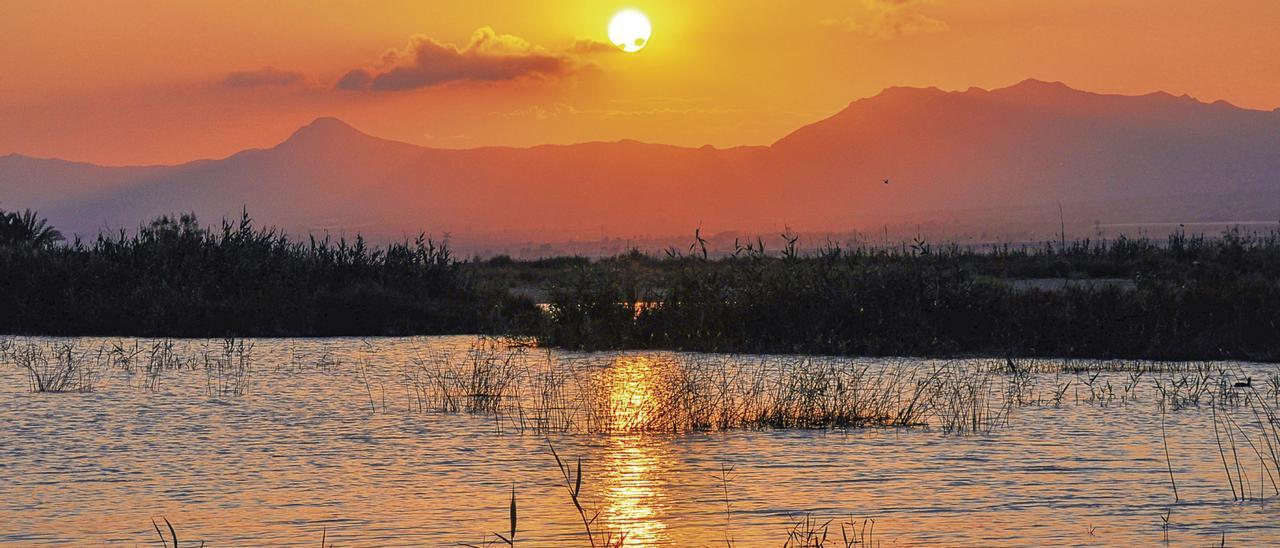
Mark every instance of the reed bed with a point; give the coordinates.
(229, 370)
(69, 365)
(534, 390)
(809, 532)
(1166, 302)
(1076, 365)
(1246, 428)
(176, 277)
(56, 366)
(477, 382)
(1130, 298)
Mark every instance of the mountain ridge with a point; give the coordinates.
(1022, 146)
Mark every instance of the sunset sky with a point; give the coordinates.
(130, 81)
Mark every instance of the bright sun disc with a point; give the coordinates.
(630, 30)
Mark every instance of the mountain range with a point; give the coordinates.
(1035, 153)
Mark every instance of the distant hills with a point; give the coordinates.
(975, 160)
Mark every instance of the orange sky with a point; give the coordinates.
(157, 81)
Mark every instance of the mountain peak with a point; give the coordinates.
(326, 132)
(910, 91)
(1043, 89)
(1034, 83)
(326, 125)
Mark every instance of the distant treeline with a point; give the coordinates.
(1187, 297)
(1184, 298)
(175, 278)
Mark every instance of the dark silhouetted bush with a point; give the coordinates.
(175, 278)
(1187, 298)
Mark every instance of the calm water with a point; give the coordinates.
(328, 435)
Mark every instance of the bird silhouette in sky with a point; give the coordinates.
(886, 181)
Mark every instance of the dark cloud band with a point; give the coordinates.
(488, 57)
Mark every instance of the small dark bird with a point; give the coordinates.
(886, 181)
(1248, 383)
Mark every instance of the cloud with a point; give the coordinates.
(487, 57)
(887, 19)
(264, 77)
(587, 46)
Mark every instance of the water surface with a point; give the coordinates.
(330, 436)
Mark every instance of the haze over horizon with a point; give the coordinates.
(991, 162)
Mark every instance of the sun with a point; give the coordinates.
(630, 30)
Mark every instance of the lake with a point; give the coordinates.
(420, 441)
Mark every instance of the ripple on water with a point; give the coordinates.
(301, 452)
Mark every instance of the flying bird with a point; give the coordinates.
(886, 181)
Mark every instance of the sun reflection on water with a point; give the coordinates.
(632, 384)
(634, 500)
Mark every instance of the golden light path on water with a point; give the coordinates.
(634, 500)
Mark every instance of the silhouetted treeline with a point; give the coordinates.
(175, 278)
(1184, 298)
(1181, 298)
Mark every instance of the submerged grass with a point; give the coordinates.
(534, 390)
(55, 366)
(71, 366)
(527, 389)
(1246, 429)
